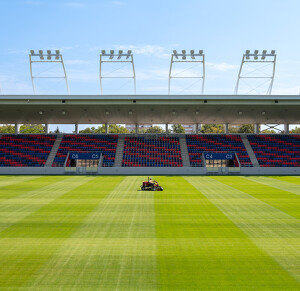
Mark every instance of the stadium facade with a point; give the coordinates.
(159, 154)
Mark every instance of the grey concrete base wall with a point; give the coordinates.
(152, 171)
(31, 171)
(141, 171)
(270, 171)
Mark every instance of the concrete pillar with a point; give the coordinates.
(46, 128)
(167, 128)
(226, 128)
(286, 128)
(136, 129)
(17, 128)
(76, 128)
(197, 128)
(106, 128)
(256, 128)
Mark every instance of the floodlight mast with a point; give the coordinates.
(187, 58)
(256, 57)
(121, 57)
(40, 58)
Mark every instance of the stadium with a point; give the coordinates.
(168, 204)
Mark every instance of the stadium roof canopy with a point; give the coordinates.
(151, 109)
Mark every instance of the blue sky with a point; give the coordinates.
(152, 29)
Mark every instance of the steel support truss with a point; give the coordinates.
(188, 59)
(47, 58)
(272, 127)
(116, 58)
(256, 66)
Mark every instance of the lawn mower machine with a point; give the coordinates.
(151, 185)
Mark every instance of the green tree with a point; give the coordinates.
(112, 128)
(233, 129)
(243, 128)
(7, 128)
(25, 128)
(246, 128)
(178, 128)
(154, 129)
(269, 131)
(140, 130)
(212, 128)
(88, 130)
(295, 130)
(32, 128)
(99, 129)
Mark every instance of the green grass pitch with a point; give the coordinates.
(102, 233)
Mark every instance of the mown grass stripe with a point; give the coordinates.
(6, 181)
(18, 207)
(279, 184)
(281, 199)
(14, 179)
(106, 235)
(26, 185)
(113, 248)
(199, 248)
(21, 259)
(275, 232)
(290, 179)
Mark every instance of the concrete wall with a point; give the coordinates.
(270, 171)
(31, 171)
(140, 171)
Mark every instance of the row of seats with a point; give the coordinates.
(104, 143)
(32, 150)
(152, 151)
(276, 150)
(197, 144)
(25, 150)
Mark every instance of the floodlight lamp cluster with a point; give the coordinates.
(46, 57)
(56, 55)
(257, 55)
(184, 54)
(118, 54)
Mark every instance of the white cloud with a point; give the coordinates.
(77, 62)
(18, 52)
(159, 82)
(146, 50)
(79, 75)
(10, 85)
(153, 74)
(222, 67)
(288, 91)
(287, 62)
(63, 48)
(53, 48)
(155, 89)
